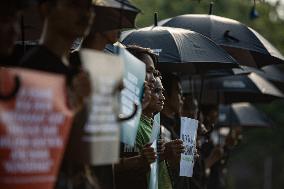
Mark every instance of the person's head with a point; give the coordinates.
(173, 93)
(157, 99)
(99, 39)
(210, 116)
(190, 107)
(147, 56)
(67, 18)
(9, 25)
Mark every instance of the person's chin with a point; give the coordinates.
(160, 108)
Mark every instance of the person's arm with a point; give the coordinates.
(215, 156)
(140, 162)
(79, 89)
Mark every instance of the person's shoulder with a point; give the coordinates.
(41, 58)
(32, 58)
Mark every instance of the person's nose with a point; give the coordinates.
(152, 78)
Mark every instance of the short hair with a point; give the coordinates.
(167, 82)
(138, 51)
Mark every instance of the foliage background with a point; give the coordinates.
(258, 162)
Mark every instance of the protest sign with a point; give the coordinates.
(100, 140)
(154, 173)
(188, 132)
(133, 80)
(34, 126)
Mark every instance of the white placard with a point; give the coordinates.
(155, 128)
(188, 132)
(101, 132)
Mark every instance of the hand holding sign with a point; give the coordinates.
(172, 152)
(148, 154)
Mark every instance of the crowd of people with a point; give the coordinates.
(65, 21)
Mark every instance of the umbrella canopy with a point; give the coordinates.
(244, 88)
(246, 45)
(114, 14)
(273, 73)
(242, 114)
(181, 50)
(237, 88)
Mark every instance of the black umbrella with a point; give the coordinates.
(180, 50)
(273, 73)
(114, 14)
(246, 45)
(242, 114)
(238, 88)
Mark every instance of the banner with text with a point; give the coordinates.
(34, 126)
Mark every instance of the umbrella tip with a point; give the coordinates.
(156, 19)
(211, 8)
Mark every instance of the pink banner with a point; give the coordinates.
(34, 127)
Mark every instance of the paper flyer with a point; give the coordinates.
(188, 133)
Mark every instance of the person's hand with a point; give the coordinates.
(146, 96)
(80, 89)
(173, 152)
(175, 147)
(196, 154)
(148, 154)
(161, 149)
(81, 84)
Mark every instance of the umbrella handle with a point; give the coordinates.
(227, 35)
(120, 118)
(14, 92)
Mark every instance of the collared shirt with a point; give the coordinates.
(143, 138)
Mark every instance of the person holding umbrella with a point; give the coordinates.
(111, 17)
(171, 128)
(135, 162)
(64, 21)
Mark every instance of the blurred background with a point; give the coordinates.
(258, 161)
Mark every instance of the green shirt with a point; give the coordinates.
(143, 137)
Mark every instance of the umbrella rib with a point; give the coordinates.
(178, 48)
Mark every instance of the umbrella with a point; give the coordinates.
(180, 50)
(114, 14)
(238, 88)
(273, 73)
(242, 114)
(246, 45)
